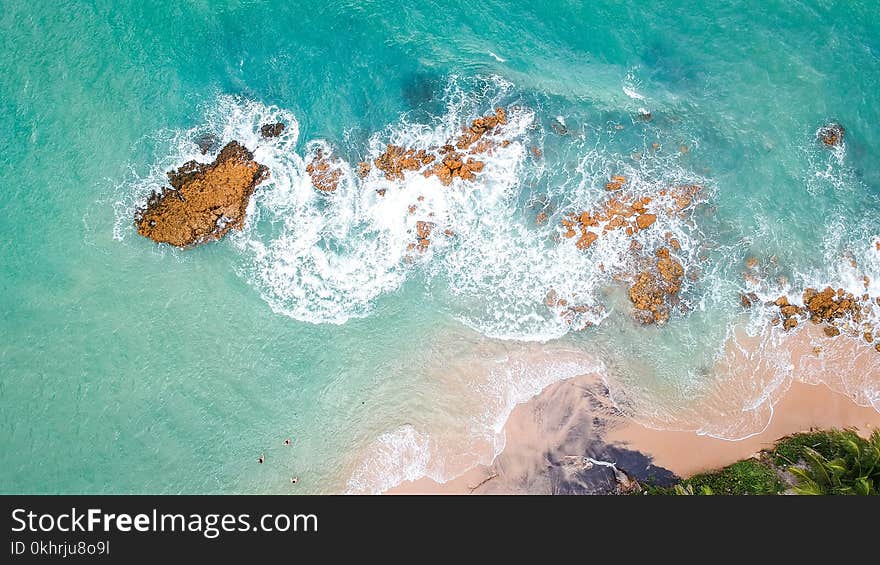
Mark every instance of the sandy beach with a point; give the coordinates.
(563, 440)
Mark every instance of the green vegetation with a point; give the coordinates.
(836, 462)
(789, 450)
(749, 476)
(828, 462)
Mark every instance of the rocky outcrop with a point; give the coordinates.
(269, 131)
(481, 126)
(628, 213)
(654, 278)
(204, 201)
(831, 135)
(616, 183)
(644, 221)
(423, 231)
(656, 288)
(454, 165)
(826, 306)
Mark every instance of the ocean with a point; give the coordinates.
(131, 367)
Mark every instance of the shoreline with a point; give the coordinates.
(531, 464)
(562, 440)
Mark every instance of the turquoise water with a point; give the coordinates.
(132, 368)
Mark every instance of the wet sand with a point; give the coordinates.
(556, 442)
(802, 407)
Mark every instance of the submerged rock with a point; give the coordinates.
(207, 143)
(831, 135)
(269, 131)
(423, 232)
(205, 200)
(559, 126)
(747, 300)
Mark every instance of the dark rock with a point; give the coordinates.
(271, 130)
(208, 143)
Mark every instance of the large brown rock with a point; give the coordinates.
(204, 201)
(644, 221)
(654, 289)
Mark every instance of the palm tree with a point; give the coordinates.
(850, 465)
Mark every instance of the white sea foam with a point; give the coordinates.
(331, 255)
(630, 85)
(403, 454)
(632, 93)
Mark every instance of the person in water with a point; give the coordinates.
(287, 442)
(294, 480)
(262, 458)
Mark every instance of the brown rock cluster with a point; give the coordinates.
(570, 312)
(324, 171)
(616, 183)
(656, 288)
(456, 159)
(682, 196)
(205, 200)
(789, 313)
(423, 231)
(454, 165)
(395, 160)
(616, 213)
(480, 126)
(423, 234)
(828, 305)
(627, 213)
(837, 309)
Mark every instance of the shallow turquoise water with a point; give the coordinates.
(130, 368)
